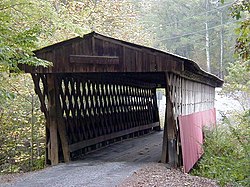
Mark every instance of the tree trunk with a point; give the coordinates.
(221, 45)
(207, 39)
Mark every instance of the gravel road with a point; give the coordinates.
(157, 175)
(128, 163)
(105, 167)
(92, 173)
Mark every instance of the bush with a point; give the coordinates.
(227, 150)
(22, 135)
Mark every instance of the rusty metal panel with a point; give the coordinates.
(192, 135)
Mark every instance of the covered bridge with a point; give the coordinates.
(101, 90)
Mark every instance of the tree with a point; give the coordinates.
(180, 27)
(227, 148)
(21, 141)
(27, 25)
(19, 32)
(237, 82)
(241, 9)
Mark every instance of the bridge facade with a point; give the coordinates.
(101, 90)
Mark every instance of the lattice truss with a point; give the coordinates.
(41, 89)
(189, 96)
(93, 108)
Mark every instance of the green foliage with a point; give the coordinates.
(27, 25)
(179, 27)
(15, 130)
(65, 19)
(19, 32)
(241, 9)
(237, 83)
(227, 149)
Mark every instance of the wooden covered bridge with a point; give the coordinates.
(101, 90)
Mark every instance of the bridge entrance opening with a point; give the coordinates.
(98, 109)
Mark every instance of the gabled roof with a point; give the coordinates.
(95, 52)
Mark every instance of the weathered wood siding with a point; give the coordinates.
(184, 97)
(104, 89)
(131, 58)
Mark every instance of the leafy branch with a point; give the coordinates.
(13, 6)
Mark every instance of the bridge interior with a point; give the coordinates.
(141, 149)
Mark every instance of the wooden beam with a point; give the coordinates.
(169, 152)
(62, 127)
(119, 42)
(52, 120)
(86, 143)
(156, 111)
(38, 91)
(164, 153)
(88, 59)
(64, 139)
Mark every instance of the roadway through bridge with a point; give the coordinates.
(142, 149)
(108, 166)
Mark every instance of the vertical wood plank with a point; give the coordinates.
(52, 120)
(164, 154)
(169, 138)
(61, 126)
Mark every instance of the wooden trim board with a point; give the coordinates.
(88, 59)
(86, 143)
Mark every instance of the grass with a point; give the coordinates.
(227, 152)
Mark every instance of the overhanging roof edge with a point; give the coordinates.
(94, 34)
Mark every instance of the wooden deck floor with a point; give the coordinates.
(142, 149)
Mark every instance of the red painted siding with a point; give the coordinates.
(192, 136)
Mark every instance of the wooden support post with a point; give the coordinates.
(61, 126)
(169, 152)
(40, 91)
(164, 154)
(171, 135)
(156, 111)
(52, 120)
(47, 147)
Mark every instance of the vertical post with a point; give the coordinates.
(52, 120)
(61, 126)
(63, 138)
(47, 147)
(169, 152)
(164, 154)
(171, 137)
(38, 91)
(156, 111)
